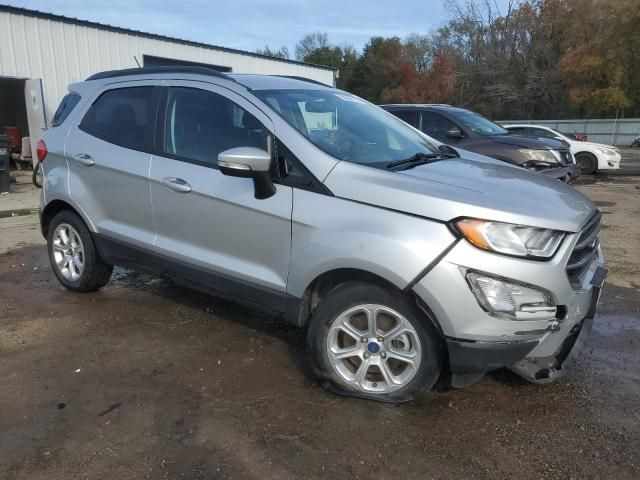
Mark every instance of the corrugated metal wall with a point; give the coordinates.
(619, 132)
(61, 53)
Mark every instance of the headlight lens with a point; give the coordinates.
(545, 156)
(510, 239)
(605, 151)
(517, 301)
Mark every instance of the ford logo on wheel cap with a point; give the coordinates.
(373, 347)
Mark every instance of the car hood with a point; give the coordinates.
(528, 142)
(464, 187)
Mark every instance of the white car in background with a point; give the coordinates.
(592, 157)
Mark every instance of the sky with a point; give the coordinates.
(252, 24)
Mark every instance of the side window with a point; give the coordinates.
(124, 116)
(436, 125)
(67, 104)
(542, 133)
(517, 131)
(201, 124)
(409, 116)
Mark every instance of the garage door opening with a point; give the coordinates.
(22, 117)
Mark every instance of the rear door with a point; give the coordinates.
(109, 160)
(211, 226)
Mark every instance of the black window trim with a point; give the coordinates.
(155, 100)
(309, 182)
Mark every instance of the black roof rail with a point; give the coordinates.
(164, 69)
(302, 79)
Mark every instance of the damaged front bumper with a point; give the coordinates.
(547, 369)
(477, 342)
(543, 369)
(567, 174)
(538, 361)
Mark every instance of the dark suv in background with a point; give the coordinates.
(463, 128)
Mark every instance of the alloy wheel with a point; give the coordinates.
(374, 348)
(68, 252)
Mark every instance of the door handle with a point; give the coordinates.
(176, 184)
(84, 159)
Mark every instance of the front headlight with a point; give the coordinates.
(545, 156)
(605, 151)
(510, 239)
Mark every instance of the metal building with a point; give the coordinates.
(41, 53)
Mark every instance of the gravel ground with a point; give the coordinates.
(147, 380)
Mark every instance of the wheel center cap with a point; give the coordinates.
(373, 347)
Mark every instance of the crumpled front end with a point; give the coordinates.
(539, 342)
(550, 361)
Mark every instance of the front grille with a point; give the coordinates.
(585, 250)
(565, 157)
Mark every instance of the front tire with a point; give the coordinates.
(73, 254)
(370, 342)
(588, 163)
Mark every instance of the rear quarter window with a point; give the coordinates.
(124, 116)
(66, 106)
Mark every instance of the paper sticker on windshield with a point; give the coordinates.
(348, 98)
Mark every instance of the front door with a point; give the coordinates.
(209, 225)
(36, 115)
(436, 126)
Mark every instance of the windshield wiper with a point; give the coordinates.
(415, 160)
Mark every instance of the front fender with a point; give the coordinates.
(330, 233)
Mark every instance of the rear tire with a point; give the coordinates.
(588, 163)
(371, 342)
(73, 254)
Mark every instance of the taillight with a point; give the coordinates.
(41, 150)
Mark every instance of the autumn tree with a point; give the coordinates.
(378, 69)
(315, 48)
(601, 62)
(529, 59)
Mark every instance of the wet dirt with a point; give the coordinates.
(145, 379)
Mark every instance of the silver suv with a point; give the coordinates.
(402, 259)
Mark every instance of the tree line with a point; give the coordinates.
(534, 59)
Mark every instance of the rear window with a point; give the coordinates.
(66, 106)
(124, 116)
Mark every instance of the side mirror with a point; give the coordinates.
(249, 162)
(455, 133)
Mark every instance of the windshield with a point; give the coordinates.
(479, 124)
(347, 127)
